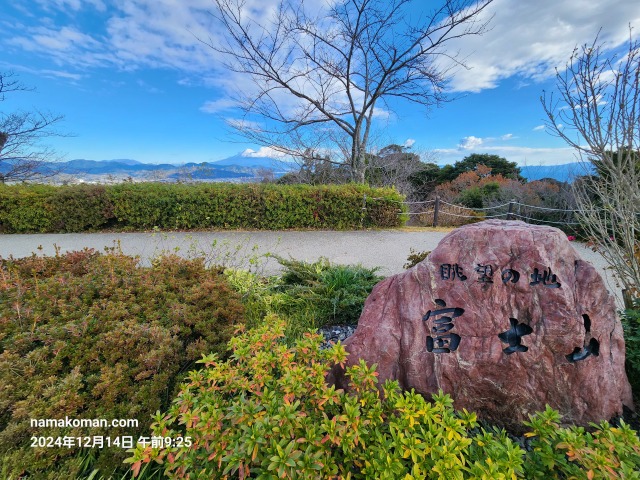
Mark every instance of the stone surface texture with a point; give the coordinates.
(551, 322)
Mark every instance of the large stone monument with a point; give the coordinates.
(506, 318)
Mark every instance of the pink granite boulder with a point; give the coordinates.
(506, 318)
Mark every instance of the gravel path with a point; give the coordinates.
(387, 249)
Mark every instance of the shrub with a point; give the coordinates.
(80, 208)
(604, 453)
(415, 258)
(336, 293)
(90, 336)
(259, 206)
(267, 412)
(307, 295)
(129, 206)
(476, 197)
(631, 325)
(24, 209)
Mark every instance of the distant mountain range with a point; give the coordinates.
(563, 173)
(237, 168)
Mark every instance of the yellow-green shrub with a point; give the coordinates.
(307, 295)
(268, 413)
(93, 336)
(602, 452)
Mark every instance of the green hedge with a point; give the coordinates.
(77, 208)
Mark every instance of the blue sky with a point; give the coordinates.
(133, 81)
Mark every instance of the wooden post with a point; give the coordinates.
(436, 208)
(509, 213)
(627, 299)
(364, 210)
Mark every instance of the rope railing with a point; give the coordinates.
(544, 221)
(514, 210)
(512, 213)
(545, 208)
(469, 208)
(474, 216)
(427, 212)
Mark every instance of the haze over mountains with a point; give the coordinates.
(237, 168)
(243, 167)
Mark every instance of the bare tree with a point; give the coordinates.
(394, 166)
(316, 169)
(22, 155)
(598, 114)
(336, 70)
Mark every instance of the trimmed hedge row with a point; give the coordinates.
(77, 208)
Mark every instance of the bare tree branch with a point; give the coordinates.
(335, 67)
(598, 114)
(22, 155)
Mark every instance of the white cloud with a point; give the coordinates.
(147, 87)
(408, 143)
(520, 155)
(531, 39)
(133, 34)
(528, 39)
(216, 106)
(64, 39)
(61, 74)
(44, 72)
(469, 143)
(538, 128)
(263, 152)
(74, 5)
(508, 136)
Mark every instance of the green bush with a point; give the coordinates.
(90, 336)
(45, 208)
(631, 325)
(25, 208)
(336, 293)
(476, 197)
(267, 412)
(80, 208)
(135, 206)
(605, 452)
(307, 295)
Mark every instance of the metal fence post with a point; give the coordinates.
(436, 208)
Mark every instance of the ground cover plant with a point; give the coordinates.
(140, 206)
(88, 336)
(309, 295)
(267, 412)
